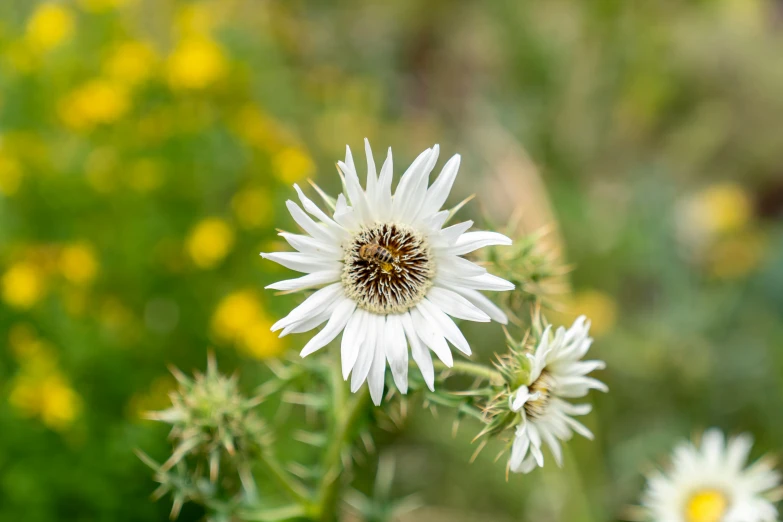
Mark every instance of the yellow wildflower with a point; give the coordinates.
(48, 396)
(721, 208)
(260, 342)
(78, 264)
(209, 242)
(197, 19)
(97, 6)
(239, 318)
(10, 175)
(131, 63)
(49, 26)
(293, 164)
(252, 207)
(236, 313)
(23, 285)
(154, 398)
(599, 307)
(196, 63)
(94, 103)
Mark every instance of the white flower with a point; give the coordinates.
(711, 484)
(392, 276)
(556, 373)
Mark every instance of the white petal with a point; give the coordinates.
(309, 245)
(471, 241)
(485, 304)
(310, 280)
(376, 378)
(450, 330)
(419, 352)
(440, 189)
(482, 282)
(397, 351)
(307, 324)
(353, 336)
(449, 236)
(414, 204)
(366, 352)
(428, 331)
(455, 305)
(408, 183)
(312, 208)
(372, 177)
(336, 323)
(460, 267)
(307, 223)
(383, 196)
(318, 301)
(302, 262)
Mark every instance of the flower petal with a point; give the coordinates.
(377, 376)
(408, 183)
(309, 281)
(353, 336)
(419, 352)
(455, 305)
(484, 304)
(366, 352)
(307, 223)
(301, 262)
(450, 330)
(471, 241)
(319, 300)
(336, 323)
(397, 351)
(440, 189)
(429, 332)
(309, 245)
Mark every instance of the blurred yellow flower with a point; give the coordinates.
(239, 318)
(23, 285)
(97, 6)
(737, 256)
(49, 26)
(46, 395)
(78, 264)
(293, 164)
(599, 307)
(198, 19)
(721, 208)
(252, 207)
(209, 242)
(131, 63)
(10, 175)
(258, 129)
(94, 103)
(196, 63)
(154, 398)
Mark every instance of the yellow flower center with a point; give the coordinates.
(708, 505)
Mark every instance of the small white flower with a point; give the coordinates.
(712, 484)
(556, 373)
(392, 276)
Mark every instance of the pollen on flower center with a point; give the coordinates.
(708, 505)
(388, 268)
(535, 407)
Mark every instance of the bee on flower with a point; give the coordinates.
(390, 274)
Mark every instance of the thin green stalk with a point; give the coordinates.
(296, 489)
(347, 418)
(472, 369)
(280, 514)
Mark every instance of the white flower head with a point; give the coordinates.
(556, 373)
(710, 483)
(391, 275)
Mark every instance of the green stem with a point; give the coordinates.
(472, 369)
(296, 489)
(275, 515)
(347, 419)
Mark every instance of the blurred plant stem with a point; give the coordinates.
(472, 370)
(296, 489)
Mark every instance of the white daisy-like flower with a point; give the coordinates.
(556, 373)
(711, 484)
(392, 275)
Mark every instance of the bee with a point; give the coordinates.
(375, 253)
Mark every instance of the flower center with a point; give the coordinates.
(707, 505)
(542, 386)
(387, 268)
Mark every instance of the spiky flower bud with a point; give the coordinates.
(215, 434)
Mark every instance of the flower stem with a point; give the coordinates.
(348, 415)
(473, 370)
(296, 489)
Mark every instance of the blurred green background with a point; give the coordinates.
(147, 148)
